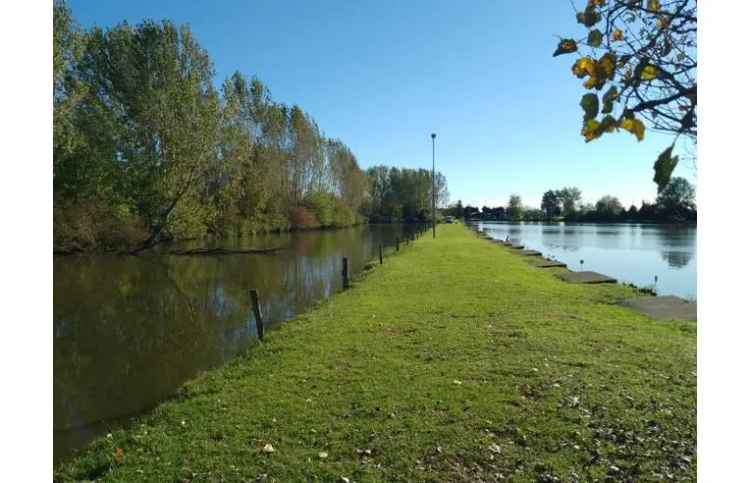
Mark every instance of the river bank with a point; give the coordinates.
(455, 360)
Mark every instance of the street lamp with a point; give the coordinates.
(433, 184)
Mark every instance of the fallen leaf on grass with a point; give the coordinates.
(268, 448)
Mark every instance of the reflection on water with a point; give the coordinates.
(130, 330)
(634, 253)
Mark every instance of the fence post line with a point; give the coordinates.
(345, 272)
(257, 313)
(380, 253)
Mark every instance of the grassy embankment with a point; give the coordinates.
(456, 360)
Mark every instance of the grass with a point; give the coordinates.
(454, 361)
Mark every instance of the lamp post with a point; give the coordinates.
(433, 184)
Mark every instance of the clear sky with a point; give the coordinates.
(382, 75)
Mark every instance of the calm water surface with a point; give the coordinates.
(128, 331)
(634, 253)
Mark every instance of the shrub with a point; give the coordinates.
(302, 218)
(95, 225)
(323, 205)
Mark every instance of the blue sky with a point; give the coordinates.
(381, 75)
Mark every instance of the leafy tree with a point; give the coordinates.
(471, 212)
(403, 194)
(647, 212)
(515, 208)
(551, 204)
(67, 48)
(146, 149)
(642, 56)
(608, 207)
(676, 202)
(533, 214)
(153, 84)
(570, 197)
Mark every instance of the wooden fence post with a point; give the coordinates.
(397, 243)
(256, 311)
(345, 272)
(380, 253)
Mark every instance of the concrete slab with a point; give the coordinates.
(664, 307)
(529, 253)
(585, 277)
(550, 264)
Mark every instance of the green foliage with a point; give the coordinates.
(590, 105)
(595, 38)
(663, 168)
(534, 214)
(551, 204)
(403, 194)
(515, 208)
(608, 207)
(140, 129)
(570, 197)
(676, 201)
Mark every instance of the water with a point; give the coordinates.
(633, 253)
(128, 331)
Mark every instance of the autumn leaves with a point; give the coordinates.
(598, 72)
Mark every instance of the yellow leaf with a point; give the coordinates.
(584, 66)
(654, 5)
(591, 130)
(649, 72)
(634, 126)
(617, 35)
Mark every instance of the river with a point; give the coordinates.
(660, 256)
(129, 330)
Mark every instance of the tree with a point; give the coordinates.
(570, 197)
(515, 208)
(67, 49)
(608, 207)
(646, 58)
(404, 194)
(533, 214)
(551, 204)
(676, 202)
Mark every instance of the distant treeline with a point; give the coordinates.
(147, 149)
(674, 204)
(403, 194)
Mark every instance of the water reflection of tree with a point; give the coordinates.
(678, 243)
(130, 330)
(676, 259)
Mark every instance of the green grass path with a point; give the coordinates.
(454, 361)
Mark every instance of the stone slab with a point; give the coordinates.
(515, 247)
(585, 277)
(664, 307)
(529, 253)
(551, 264)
